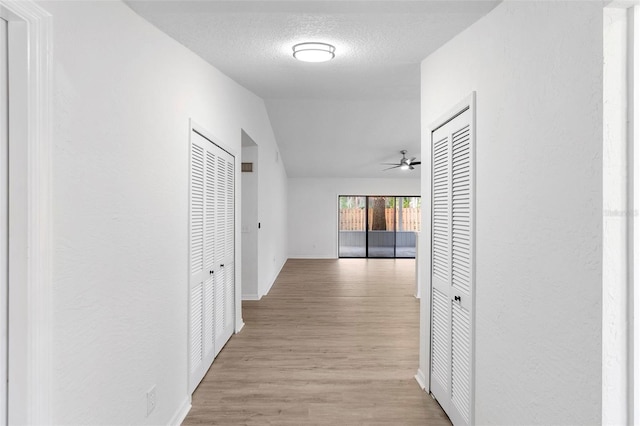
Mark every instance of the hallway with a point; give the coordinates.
(334, 342)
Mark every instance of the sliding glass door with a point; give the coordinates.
(378, 226)
(381, 230)
(352, 228)
(407, 224)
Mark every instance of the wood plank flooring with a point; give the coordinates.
(334, 342)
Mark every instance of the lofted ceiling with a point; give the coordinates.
(340, 118)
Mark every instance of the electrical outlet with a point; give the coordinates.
(151, 400)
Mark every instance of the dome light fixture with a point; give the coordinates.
(314, 52)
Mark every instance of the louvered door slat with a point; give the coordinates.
(197, 208)
(440, 339)
(460, 359)
(208, 335)
(210, 176)
(460, 201)
(219, 303)
(440, 214)
(221, 209)
(230, 219)
(229, 293)
(229, 278)
(196, 329)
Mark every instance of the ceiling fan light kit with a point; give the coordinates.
(314, 52)
(404, 164)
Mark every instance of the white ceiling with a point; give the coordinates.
(336, 119)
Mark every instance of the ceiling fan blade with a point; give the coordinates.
(411, 161)
(394, 167)
(416, 163)
(411, 167)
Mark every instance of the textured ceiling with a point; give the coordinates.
(335, 119)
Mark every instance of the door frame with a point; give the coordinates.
(249, 228)
(633, 200)
(621, 205)
(4, 214)
(423, 376)
(30, 255)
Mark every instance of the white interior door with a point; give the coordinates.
(452, 268)
(212, 247)
(4, 213)
(229, 253)
(201, 298)
(225, 248)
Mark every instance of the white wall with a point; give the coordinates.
(273, 214)
(537, 70)
(313, 210)
(123, 96)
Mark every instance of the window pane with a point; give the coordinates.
(352, 228)
(408, 223)
(381, 236)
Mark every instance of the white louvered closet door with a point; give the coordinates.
(452, 268)
(225, 248)
(229, 260)
(200, 286)
(208, 247)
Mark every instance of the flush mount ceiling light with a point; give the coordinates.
(314, 52)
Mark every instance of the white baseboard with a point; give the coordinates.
(251, 297)
(182, 412)
(312, 256)
(254, 296)
(240, 328)
(275, 277)
(420, 379)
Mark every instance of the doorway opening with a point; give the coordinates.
(250, 235)
(380, 226)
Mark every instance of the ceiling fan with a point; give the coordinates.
(404, 164)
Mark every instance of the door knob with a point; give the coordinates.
(456, 298)
(222, 265)
(210, 272)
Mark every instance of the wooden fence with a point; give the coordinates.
(353, 219)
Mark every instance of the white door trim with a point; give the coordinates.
(4, 214)
(30, 301)
(633, 135)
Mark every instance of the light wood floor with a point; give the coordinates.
(334, 342)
